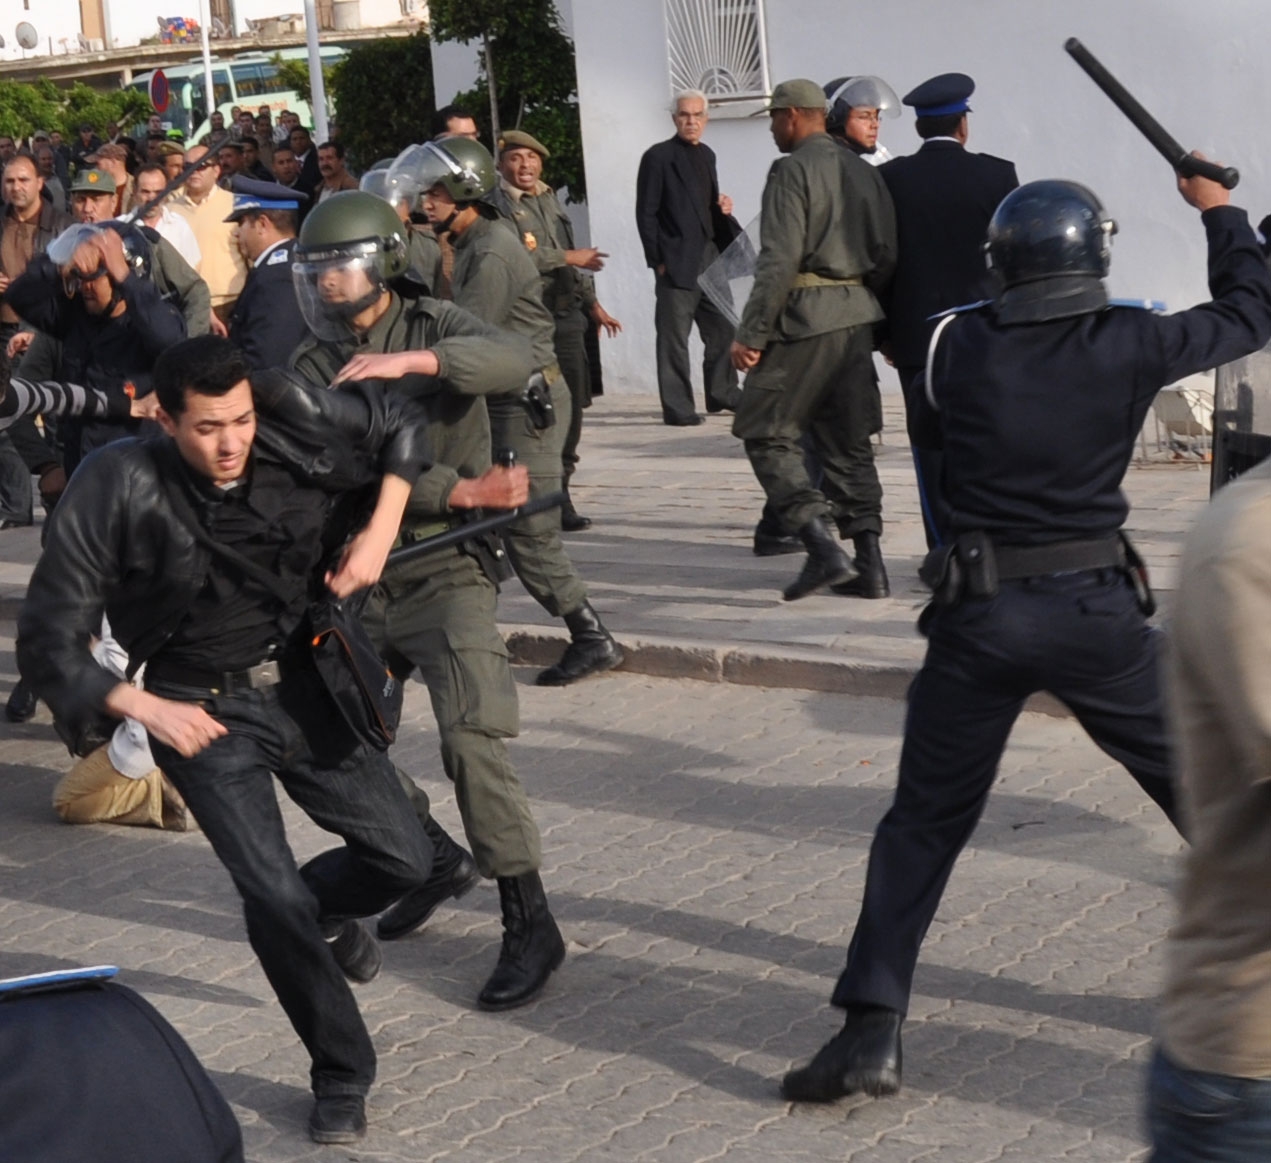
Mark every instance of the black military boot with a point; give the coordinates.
(571, 520)
(532, 945)
(590, 651)
(826, 565)
(772, 541)
(871, 580)
(454, 874)
(22, 703)
(863, 1056)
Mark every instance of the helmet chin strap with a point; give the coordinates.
(350, 311)
(444, 227)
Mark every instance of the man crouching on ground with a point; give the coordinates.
(278, 475)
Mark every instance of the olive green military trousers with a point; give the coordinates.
(823, 386)
(437, 616)
(533, 543)
(570, 345)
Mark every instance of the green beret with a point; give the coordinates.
(517, 139)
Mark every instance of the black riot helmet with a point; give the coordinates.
(1049, 245)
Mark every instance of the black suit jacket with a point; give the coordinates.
(310, 175)
(266, 323)
(944, 197)
(674, 226)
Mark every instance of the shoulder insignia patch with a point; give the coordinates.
(531, 243)
(278, 257)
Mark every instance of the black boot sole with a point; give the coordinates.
(859, 588)
(875, 1083)
(553, 676)
(558, 959)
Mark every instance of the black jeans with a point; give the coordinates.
(1079, 636)
(293, 730)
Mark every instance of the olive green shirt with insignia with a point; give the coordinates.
(827, 218)
(495, 279)
(476, 360)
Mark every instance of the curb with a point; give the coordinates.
(790, 668)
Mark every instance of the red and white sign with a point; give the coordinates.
(159, 92)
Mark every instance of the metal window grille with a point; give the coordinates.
(718, 46)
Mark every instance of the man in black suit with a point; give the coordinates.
(944, 197)
(302, 146)
(266, 324)
(684, 223)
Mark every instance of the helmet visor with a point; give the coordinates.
(867, 93)
(420, 167)
(334, 288)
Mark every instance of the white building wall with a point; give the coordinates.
(1200, 70)
(56, 22)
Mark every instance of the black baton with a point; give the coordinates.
(1146, 124)
(474, 529)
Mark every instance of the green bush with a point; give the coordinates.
(383, 93)
(26, 107)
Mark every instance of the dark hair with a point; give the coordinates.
(445, 115)
(151, 168)
(23, 156)
(284, 221)
(945, 126)
(206, 365)
(335, 145)
(249, 139)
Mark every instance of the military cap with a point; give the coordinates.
(518, 139)
(93, 182)
(797, 94)
(168, 148)
(941, 96)
(251, 194)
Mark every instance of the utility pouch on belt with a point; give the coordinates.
(979, 563)
(942, 572)
(487, 549)
(537, 399)
(1135, 570)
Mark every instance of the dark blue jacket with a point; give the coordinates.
(266, 323)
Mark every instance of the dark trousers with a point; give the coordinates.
(822, 389)
(675, 312)
(924, 442)
(1196, 1117)
(570, 343)
(294, 731)
(1079, 636)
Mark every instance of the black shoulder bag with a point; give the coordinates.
(367, 693)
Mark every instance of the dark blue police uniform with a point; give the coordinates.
(944, 197)
(1038, 424)
(266, 323)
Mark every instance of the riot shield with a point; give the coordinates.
(727, 281)
(1242, 416)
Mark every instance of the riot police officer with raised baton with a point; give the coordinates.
(1035, 591)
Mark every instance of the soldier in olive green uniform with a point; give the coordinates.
(495, 279)
(568, 291)
(438, 613)
(828, 240)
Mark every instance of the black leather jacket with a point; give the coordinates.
(116, 546)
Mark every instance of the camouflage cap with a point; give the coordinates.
(518, 139)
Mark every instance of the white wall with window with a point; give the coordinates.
(56, 23)
(1197, 68)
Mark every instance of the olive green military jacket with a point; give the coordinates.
(476, 360)
(425, 257)
(180, 284)
(543, 226)
(827, 217)
(494, 278)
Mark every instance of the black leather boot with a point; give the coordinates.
(571, 520)
(532, 945)
(590, 651)
(338, 1118)
(772, 541)
(826, 565)
(871, 580)
(454, 874)
(864, 1056)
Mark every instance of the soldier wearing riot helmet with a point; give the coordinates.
(400, 191)
(855, 107)
(496, 280)
(438, 613)
(1038, 590)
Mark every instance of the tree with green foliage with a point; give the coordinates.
(295, 73)
(383, 92)
(527, 77)
(28, 106)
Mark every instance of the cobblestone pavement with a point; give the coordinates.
(705, 848)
